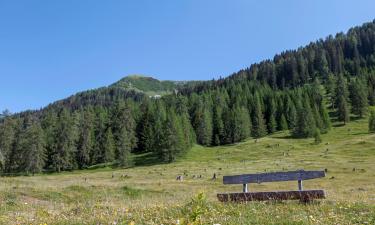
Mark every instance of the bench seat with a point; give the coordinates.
(305, 196)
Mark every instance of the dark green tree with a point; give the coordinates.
(172, 141)
(124, 132)
(358, 97)
(305, 124)
(32, 144)
(259, 127)
(63, 156)
(109, 146)
(86, 140)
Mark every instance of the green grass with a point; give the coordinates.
(150, 194)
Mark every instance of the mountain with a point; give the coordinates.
(149, 85)
(301, 92)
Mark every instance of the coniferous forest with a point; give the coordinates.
(299, 90)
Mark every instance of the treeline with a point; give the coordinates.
(65, 140)
(350, 54)
(293, 92)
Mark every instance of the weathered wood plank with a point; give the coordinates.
(304, 196)
(272, 177)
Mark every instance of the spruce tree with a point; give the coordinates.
(172, 141)
(33, 147)
(7, 138)
(242, 124)
(202, 123)
(358, 97)
(159, 120)
(291, 113)
(109, 146)
(124, 127)
(101, 126)
(341, 99)
(283, 123)
(343, 110)
(146, 131)
(85, 141)
(218, 125)
(259, 128)
(305, 124)
(272, 125)
(64, 146)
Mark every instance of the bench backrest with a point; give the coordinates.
(273, 177)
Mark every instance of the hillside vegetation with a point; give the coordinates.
(150, 194)
(150, 86)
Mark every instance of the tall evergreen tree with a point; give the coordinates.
(7, 139)
(124, 132)
(305, 124)
(343, 110)
(32, 146)
(64, 151)
(259, 127)
(85, 141)
(341, 99)
(145, 130)
(101, 126)
(109, 146)
(172, 142)
(218, 125)
(358, 97)
(202, 123)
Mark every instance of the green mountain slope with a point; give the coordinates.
(150, 85)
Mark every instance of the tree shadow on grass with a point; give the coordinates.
(146, 159)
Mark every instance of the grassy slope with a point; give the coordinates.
(151, 195)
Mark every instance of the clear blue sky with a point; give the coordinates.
(50, 49)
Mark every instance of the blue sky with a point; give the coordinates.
(52, 49)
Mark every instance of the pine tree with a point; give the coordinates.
(101, 126)
(242, 124)
(64, 146)
(109, 146)
(358, 97)
(202, 123)
(341, 96)
(331, 88)
(7, 138)
(49, 123)
(271, 116)
(343, 110)
(291, 114)
(85, 141)
(172, 141)
(145, 130)
(283, 123)
(159, 117)
(305, 124)
(218, 125)
(32, 146)
(259, 128)
(124, 126)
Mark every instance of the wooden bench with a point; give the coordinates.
(302, 195)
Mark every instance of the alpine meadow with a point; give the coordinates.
(145, 151)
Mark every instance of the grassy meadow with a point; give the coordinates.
(150, 194)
